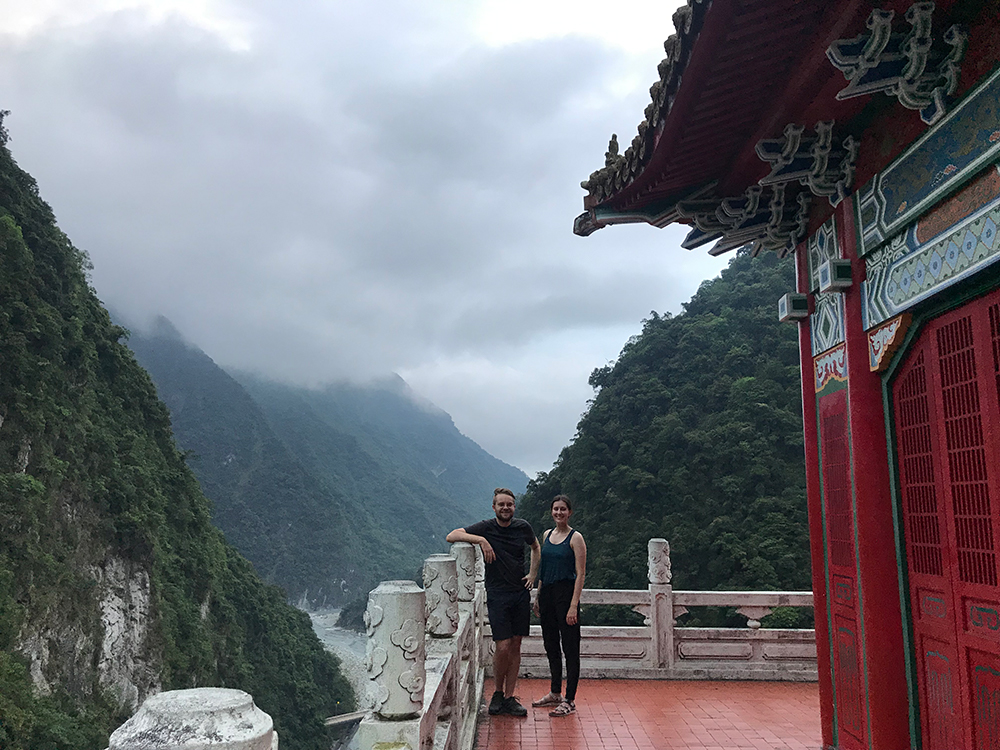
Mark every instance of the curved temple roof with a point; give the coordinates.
(744, 84)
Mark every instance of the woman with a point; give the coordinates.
(561, 576)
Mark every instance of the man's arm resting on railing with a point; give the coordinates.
(461, 535)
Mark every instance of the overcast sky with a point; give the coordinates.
(327, 190)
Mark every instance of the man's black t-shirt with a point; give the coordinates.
(508, 542)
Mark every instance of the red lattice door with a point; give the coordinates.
(945, 401)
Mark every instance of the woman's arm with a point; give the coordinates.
(534, 594)
(580, 553)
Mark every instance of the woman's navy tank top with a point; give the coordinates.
(558, 561)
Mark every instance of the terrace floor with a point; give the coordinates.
(662, 715)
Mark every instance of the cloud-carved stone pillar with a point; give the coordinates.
(441, 595)
(465, 556)
(661, 618)
(394, 657)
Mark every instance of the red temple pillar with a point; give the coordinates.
(817, 554)
(878, 566)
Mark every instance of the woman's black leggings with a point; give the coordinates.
(553, 604)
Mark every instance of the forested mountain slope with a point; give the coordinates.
(402, 460)
(695, 434)
(113, 582)
(394, 423)
(326, 491)
(298, 532)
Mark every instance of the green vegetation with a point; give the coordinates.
(409, 475)
(289, 525)
(326, 491)
(90, 475)
(695, 435)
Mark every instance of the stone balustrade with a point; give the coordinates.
(659, 649)
(429, 650)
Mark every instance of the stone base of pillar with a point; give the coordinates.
(378, 734)
(662, 625)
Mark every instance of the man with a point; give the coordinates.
(508, 599)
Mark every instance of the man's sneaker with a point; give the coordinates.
(512, 707)
(496, 703)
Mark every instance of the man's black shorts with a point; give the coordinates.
(510, 613)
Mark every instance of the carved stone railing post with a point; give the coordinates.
(395, 654)
(202, 718)
(465, 557)
(480, 565)
(423, 659)
(395, 660)
(441, 595)
(661, 616)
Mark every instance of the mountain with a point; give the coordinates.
(113, 582)
(389, 449)
(291, 526)
(695, 434)
(327, 491)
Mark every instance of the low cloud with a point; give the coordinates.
(320, 193)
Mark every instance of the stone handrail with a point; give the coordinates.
(458, 657)
(752, 604)
(671, 651)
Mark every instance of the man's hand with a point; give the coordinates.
(488, 554)
(529, 581)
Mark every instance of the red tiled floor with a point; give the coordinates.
(663, 715)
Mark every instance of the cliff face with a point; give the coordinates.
(113, 582)
(119, 656)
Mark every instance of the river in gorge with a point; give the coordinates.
(348, 645)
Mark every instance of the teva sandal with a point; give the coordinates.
(552, 699)
(564, 709)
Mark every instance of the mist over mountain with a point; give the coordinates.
(327, 491)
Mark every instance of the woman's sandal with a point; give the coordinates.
(564, 709)
(549, 700)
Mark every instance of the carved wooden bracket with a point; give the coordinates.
(916, 67)
(764, 218)
(813, 161)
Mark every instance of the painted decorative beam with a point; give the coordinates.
(917, 68)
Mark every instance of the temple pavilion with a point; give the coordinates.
(863, 139)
